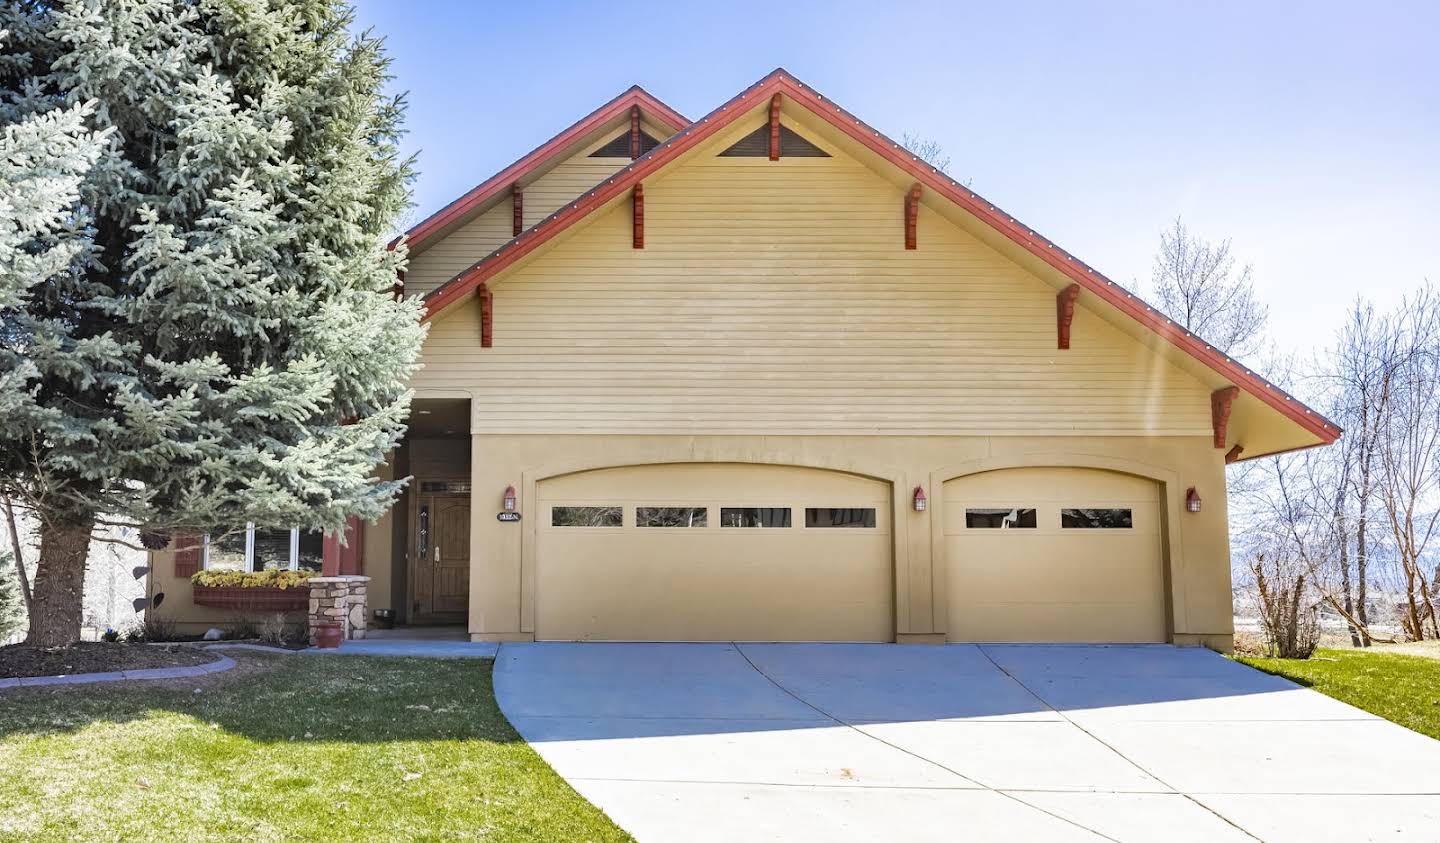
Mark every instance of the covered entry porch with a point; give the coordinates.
(426, 536)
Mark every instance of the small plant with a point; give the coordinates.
(272, 629)
(154, 630)
(110, 635)
(242, 629)
(251, 579)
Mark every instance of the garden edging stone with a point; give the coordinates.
(220, 664)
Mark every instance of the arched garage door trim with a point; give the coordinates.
(1172, 496)
(902, 584)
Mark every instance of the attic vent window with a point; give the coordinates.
(620, 146)
(757, 145)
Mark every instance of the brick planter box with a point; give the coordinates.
(258, 599)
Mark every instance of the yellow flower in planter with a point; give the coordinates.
(252, 579)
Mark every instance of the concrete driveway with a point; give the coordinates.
(830, 742)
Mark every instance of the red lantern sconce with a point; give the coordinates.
(1192, 500)
(509, 499)
(919, 499)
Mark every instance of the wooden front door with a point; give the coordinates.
(440, 558)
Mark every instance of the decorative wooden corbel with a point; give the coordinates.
(634, 132)
(775, 128)
(487, 316)
(1065, 314)
(1234, 454)
(398, 288)
(912, 214)
(1220, 402)
(637, 201)
(517, 210)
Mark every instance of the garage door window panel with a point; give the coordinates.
(1000, 518)
(754, 516)
(1096, 519)
(826, 517)
(671, 516)
(586, 516)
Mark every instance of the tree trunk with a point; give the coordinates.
(19, 551)
(59, 596)
(1361, 557)
(1345, 587)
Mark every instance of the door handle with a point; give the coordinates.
(437, 554)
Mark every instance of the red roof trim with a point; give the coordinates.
(780, 81)
(420, 235)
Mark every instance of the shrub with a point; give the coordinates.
(272, 629)
(242, 629)
(153, 630)
(252, 579)
(110, 636)
(1289, 619)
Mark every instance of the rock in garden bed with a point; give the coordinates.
(18, 660)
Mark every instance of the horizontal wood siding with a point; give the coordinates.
(459, 249)
(488, 231)
(778, 298)
(564, 183)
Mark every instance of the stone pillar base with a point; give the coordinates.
(341, 600)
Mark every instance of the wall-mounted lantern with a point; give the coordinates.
(509, 499)
(1192, 500)
(919, 499)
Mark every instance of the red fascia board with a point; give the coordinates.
(423, 232)
(780, 81)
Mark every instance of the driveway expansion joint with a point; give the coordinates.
(979, 785)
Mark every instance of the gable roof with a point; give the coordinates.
(782, 82)
(429, 229)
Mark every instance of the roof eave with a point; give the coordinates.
(420, 235)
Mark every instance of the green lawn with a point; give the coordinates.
(283, 748)
(1401, 688)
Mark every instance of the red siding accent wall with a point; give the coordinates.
(912, 214)
(775, 128)
(517, 210)
(330, 555)
(1064, 313)
(188, 549)
(352, 555)
(1220, 402)
(637, 198)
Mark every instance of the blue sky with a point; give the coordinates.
(1305, 132)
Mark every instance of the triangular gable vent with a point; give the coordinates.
(620, 147)
(757, 145)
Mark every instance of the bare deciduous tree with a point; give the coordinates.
(1409, 451)
(1362, 369)
(929, 151)
(1196, 283)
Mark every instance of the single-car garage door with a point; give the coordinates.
(1054, 554)
(714, 552)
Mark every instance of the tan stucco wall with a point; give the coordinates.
(1196, 546)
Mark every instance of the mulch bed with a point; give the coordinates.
(18, 660)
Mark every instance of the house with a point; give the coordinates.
(767, 376)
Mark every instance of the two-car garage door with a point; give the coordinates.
(714, 552)
(740, 552)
